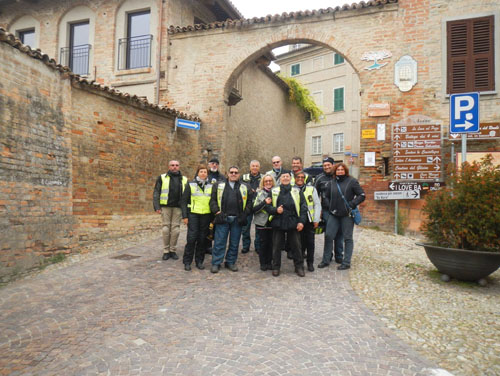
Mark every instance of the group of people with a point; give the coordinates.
(286, 207)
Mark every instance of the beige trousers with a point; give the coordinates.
(171, 218)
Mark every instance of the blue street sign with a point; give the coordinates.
(464, 113)
(188, 124)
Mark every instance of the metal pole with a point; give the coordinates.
(464, 147)
(453, 155)
(396, 216)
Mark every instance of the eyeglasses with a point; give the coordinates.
(276, 162)
(268, 181)
(299, 177)
(233, 172)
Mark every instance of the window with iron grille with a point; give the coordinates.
(470, 55)
(316, 145)
(338, 142)
(338, 99)
(295, 69)
(76, 56)
(135, 50)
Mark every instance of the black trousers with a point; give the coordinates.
(196, 238)
(266, 245)
(307, 240)
(293, 240)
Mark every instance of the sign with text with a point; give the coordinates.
(416, 148)
(423, 187)
(379, 109)
(368, 133)
(397, 195)
(487, 131)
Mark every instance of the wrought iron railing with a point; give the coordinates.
(77, 58)
(134, 52)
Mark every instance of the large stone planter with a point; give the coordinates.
(462, 264)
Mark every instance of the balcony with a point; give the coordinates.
(77, 58)
(134, 52)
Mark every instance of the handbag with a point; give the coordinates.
(355, 214)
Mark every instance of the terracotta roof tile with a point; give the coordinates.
(11, 39)
(277, 17)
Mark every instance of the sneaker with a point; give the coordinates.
(187, 267)
(310, 267)
(215, 268)
(231, 267)
(245, 250)
(174, 256)
(344, 267)
(166, 256)
(300, 271)
(322, 264)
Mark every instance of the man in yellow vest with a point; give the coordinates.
(167, 194)
(231, 205)
(313, 217)
(289, 213)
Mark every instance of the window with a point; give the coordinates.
(137, 45)
(338, 99)
(295, 69)
(79, 47)
(470, 55)
(316, 145)
(318, 98)
(27, 37)
(337, 59)
(338, 143)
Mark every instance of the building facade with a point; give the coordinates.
(334, 86)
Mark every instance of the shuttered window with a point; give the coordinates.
(470, 55)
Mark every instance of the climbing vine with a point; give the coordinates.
(302, 98)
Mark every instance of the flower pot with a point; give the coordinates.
(462, 264)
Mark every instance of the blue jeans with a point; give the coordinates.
(332, 235)
(333, 227)
(229, 228)
(245, 235)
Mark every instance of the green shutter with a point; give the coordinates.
(295, 70)
(338, 99)
(339, 59)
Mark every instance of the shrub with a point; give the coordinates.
(302, 98)
(466, 214)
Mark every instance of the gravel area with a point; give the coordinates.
(455, 324)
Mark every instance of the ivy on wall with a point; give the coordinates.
(302, 98)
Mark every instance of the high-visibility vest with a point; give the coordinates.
(243, 191)
(200, 200)
(261, 196)
(275, 192)
(247, 177)
(308, 194)
(165, 185)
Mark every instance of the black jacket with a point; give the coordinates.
(174, 195)
(242, 214)
(289, 219)
(216, 177)
(321, 184)
(352, 191)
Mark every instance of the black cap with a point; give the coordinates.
(328, 159)
(214, 160)
(286, 172)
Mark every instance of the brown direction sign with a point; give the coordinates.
(487, 131)
(423, 187)
(416, 145)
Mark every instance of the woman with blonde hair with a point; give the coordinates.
(261, 220)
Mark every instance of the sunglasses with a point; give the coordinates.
(276, 162)
(174, 165)
(234, 172)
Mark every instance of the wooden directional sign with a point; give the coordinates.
(423, 187)
(416, 147)
(487, 131)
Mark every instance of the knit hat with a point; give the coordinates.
(329, 160)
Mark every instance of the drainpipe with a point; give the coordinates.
(158, 64)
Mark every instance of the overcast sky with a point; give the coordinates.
(260, 8)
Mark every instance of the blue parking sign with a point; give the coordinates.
(464, 113)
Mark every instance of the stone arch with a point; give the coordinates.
(23, 23)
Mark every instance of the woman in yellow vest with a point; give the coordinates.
(196, 212)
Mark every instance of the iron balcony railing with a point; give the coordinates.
(134, 52)
(77, 58)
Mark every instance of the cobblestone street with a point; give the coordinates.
(138, 315)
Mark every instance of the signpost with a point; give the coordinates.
(416, 145)
(397, 195)
(464, 116)
(487, 131)
(188, 124)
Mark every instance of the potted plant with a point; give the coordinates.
(462, 223)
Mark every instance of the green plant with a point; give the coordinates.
(302, 98)
(466, 214)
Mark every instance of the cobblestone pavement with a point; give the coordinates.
(143, 316)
